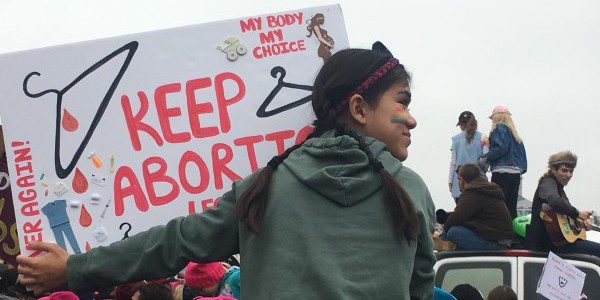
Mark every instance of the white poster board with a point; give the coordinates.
(107, 138)
(560, 280)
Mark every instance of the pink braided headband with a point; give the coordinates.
(363, 87)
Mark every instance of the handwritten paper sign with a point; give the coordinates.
(108, 138)
(560, 280)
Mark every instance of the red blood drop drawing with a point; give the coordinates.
(87, 247)
(69, 123)
(85, 219)
(80, 183)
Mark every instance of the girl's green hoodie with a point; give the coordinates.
(326, 234)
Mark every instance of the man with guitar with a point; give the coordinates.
(555, 224)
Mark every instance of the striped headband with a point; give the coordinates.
(365, 85)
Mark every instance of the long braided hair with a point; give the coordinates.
(340, 78)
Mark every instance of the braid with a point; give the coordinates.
(363, 146)
(252, 205)
(405, 220)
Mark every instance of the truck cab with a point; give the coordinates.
(519, 269)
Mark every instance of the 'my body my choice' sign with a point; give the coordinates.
(107, 138)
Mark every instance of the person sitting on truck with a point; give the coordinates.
(481, 220)
(550, 196)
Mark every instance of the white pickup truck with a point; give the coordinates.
(519, 269)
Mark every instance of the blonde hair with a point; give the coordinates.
(505, 118)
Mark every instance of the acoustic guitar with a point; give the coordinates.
(563, 229)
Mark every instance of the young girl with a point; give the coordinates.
(467, 147)
(336, 217)
(506, 157)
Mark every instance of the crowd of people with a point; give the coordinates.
(484, 212)
(216, 280)
(337, 216)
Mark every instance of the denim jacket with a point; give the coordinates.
(505, 150)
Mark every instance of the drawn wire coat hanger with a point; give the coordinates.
(61, 172)
(262, 110)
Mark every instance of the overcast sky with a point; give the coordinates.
(540, 58)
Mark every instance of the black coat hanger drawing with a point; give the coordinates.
(61, 172)
(262, 110)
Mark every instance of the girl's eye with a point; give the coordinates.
(404, 100)
(404, 105)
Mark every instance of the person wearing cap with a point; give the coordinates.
(206, 278)
(550, 196)
(62, 295)
(467, 147)
(506, 157)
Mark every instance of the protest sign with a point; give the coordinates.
(9, 243)
(107, 138)
(560, 280)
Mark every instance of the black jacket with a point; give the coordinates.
(551, 192)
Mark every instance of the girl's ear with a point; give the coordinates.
(359, 109)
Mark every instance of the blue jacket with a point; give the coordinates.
(505, 150)
(439, 294)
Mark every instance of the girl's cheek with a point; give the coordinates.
(401, 116)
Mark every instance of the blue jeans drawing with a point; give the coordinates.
(467, 239)
(68, 231)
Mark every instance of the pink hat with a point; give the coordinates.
(214, 298)
(64, 295)
(203, 275)
(499, 109)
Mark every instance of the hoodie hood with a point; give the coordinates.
(486, 188)
(335, 167)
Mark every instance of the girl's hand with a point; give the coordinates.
(45, 272)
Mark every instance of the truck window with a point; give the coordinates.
(533, 270)
(482, 275)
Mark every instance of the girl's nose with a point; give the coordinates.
(411, 122)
